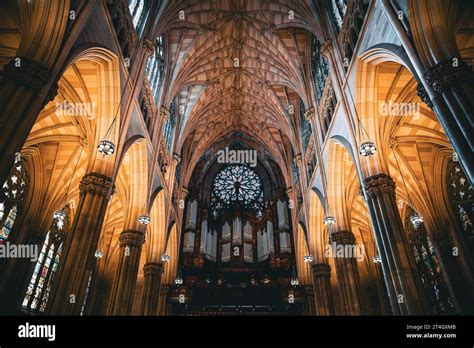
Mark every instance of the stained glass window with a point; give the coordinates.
(38, 291)
(339, 8)
(305, 127)
(138, 13)
(319, 66)
(237, 185)
(12, 195)
(154, 68)
(169, 126)
(428, 267)
(462, 200)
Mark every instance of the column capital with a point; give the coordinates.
(444, 75)
(149, 46)
(95, 183)
(321, 270)
(326, 47)
(298, 158)
(26, 72)
(342, 237)
(176, 158)
(131, 238)
(310, 113)
(153, 268)
(164, 113)
(379, 184)
(421, 92)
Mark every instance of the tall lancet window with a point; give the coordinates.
(305, 127)
(428, 267)
(139, 13)
(319, 66)
(37, 293)
(339, 8)
(154, 68)
(12, 196)
(462, 200)
(169, 126)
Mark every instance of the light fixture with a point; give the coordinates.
(367, 149)
(416, 220)
(329, 220)
(208, 279)
(266, 279)
(376, 259)
(144, 219)
(98, 254)
(178, 280)
(165, 258)
(308, 258)
(106, 147)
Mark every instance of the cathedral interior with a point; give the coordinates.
(236, 157)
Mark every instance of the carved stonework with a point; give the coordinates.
(26, 72)
(164, 113)
(153, 268)
(298, 158)
(310, 114)
(148, 46)
(176, 158)
(321, 270)
(342, 237)
(421, 91)
(131, 238)
(326, 48)
(96, 184)
(379, 184)
(444, 75)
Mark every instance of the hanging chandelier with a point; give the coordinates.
(329, 220)
(106, 147)
(165, 258)
(144, 219)
(308, 258)
(367, 149)
(376, 259)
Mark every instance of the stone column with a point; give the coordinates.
(310, 307)
(22, 80)
(389, 232)
(172, 171)
(454, 106)
(347, 271)
(163, 300)
(151, 291)
(78, 257)
(324, 303)
(125, 279)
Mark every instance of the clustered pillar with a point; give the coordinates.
(78, 258)
(322, 289)
(389, 234)
(347, 272)
(121, 300)
(152, 272)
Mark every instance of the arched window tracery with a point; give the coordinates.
(428, 267)
(462, 200)
(44, 272)
(237, 186)
(155, 67)
(13, 193)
